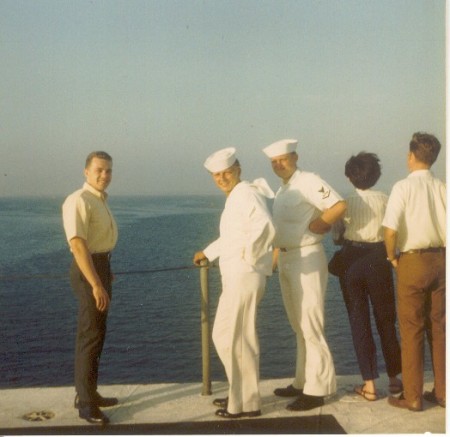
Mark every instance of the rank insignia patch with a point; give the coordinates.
(325, 193)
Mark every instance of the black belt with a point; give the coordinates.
(427, 250)
(363, 245)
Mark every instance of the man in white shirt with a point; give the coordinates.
(415, 235)
(244, 249)
(305, 207)
(91, 232)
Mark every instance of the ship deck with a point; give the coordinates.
(181, 409)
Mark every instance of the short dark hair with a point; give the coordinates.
(99, 155)
(426, 147)
(363, 170)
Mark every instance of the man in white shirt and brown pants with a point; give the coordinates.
(415, 225)
(91, 232)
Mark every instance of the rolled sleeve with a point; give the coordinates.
(75, 218)
(394, 209)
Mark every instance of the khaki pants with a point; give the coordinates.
(421, 310)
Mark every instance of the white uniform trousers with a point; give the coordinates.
(236, 340)
(303, 275)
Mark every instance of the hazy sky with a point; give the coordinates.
(162, 84)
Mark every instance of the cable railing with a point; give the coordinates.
(204, 307)
(64, 275)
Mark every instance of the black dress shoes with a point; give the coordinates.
(289, 391)
(92, 414)
(223, 412)
(306, 402)
(106, 402)
(221, 402)
(100, 401)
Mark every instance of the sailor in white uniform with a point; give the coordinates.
(244, 249)
(304, 209)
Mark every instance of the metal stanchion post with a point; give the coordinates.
(206, 389)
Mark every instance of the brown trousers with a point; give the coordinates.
(421, 310)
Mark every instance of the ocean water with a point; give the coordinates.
(154, 332)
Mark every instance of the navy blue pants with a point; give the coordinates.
(91, 329)
(367, 281)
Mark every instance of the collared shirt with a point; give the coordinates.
(364, 216)
(86, 215)
(297, 203)
(416, 210)
(246, 232)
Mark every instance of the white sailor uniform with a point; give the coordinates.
(245, 259)
(303, 276)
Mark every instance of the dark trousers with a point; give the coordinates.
(421, 308)
(367, 280)
(91, 329)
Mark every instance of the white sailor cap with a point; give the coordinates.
(282, 147)
(221, 160)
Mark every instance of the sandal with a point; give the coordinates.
(367, 395)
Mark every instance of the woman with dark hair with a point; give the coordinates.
(365, 275)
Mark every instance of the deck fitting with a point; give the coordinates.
(38, 416)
